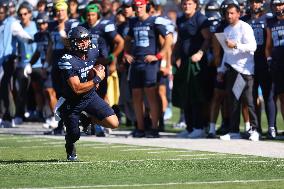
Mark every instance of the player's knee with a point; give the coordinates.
(112, 122)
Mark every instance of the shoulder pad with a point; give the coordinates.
(269, 15)
(104, 21)
(162, 20)
(64, 63)
(109, 27)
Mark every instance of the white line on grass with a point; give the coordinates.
(169, 151)
(162, 184)
(142, 149)
(193, 155)
(108, 161)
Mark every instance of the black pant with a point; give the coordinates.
(246, 97)
(22, 84)
(264, 80)
(6, 87)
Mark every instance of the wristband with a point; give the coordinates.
(159, 56)
(111, 57)
(200, 52)
(97, 80)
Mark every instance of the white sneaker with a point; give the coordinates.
(230, 136)
(197, 133)
(18, 120)
(254, 136)
(183, 134)
(180, 125)
(271, 133)
(53, 123)
(168, 114)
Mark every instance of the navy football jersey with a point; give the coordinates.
(42, 39)
(71, 65)
(103, 34)
(54, 33)
(145, 34)
(259, 29)
(277, 31)
(189, 33)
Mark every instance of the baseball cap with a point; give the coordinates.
(139, 2)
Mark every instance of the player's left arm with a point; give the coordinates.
(119, 45)
(205, 32)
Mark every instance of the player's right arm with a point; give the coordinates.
(79, 88)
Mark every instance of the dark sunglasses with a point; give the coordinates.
(23, 14)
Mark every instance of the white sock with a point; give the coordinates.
(247, 126)
(212, 128)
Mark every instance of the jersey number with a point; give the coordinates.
(141, 38)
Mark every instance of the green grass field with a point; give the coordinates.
(29, 162)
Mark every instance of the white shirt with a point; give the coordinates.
(241, 59)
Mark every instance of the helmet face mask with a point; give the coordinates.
(275, 4)
(253, 9)
(80, 39)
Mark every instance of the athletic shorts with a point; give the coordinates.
(143, 74)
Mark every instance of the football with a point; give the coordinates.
(92, 72)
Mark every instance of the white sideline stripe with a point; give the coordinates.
(163, 184)
(170, 151)
(193, 155)
(109, 161)
(33, 140)
(142, 149)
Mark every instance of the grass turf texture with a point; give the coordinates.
(28, 162)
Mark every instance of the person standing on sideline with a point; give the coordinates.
(190, 53)
(79, 90)
(144, 30)
(238, 63)
(263, 78)
(275, 48)
(10, 30)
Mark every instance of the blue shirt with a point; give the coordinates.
(27, 49)
(70, 66)
(42, 40)
(145, 34)
(277, 30)
(103, 34)
(189, 33)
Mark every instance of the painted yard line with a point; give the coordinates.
(101, 147)
(263, 161)
(108, 161)
(142, 149)
(32, 140)
(192, 155)
(161, 184)
(94, 144)
(49, 143)
(170, 151)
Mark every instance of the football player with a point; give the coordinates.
(79, 90)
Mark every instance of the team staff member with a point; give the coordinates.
(257, 19)
(239, 62)
(144, 29)
(80, 94)
(190, 50)
(275, 48)
(10, 29)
